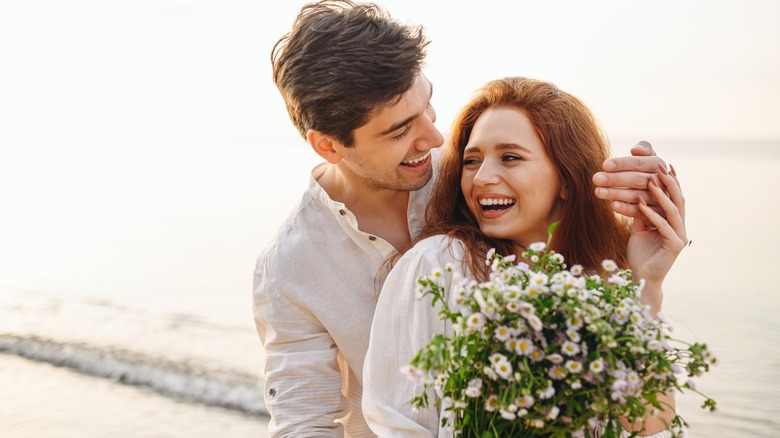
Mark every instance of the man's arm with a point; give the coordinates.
(302, 378)
(624, 180)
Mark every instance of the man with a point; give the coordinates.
(352, 80)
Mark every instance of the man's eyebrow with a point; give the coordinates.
(399, 125)
(406, 121)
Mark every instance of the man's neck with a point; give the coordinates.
(379, 212)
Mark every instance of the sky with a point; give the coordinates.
(200, 68)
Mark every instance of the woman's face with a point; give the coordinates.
(510, 184)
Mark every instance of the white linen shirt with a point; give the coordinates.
(315, 290)
(403, 324)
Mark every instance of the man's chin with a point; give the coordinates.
(420, 182)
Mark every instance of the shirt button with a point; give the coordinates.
(372, 238)
(272, 392)
(342, 212)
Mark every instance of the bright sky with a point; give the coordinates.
(199, 68)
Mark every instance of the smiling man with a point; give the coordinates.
(352, 81)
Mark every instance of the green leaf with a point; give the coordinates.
(550, 232)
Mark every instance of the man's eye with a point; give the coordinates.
(402, 134)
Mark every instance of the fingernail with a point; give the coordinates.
(600, 178)
(601, 192)
(662, 169)
(645, 144)
(672, 172)
(642, 201)
(651, 183)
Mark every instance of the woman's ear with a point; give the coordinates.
(564, 190)
(324, 146)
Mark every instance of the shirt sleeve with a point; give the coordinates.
(402, 325)
(302, 377)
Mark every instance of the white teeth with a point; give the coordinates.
(417, 160)
(496, 201)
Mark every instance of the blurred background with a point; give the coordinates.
(146, 158)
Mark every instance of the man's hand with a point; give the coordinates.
(624, 180)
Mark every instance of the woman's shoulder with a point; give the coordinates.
(439, 248)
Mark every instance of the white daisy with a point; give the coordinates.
(538, 246)
(502, 333)
(574, 367)
(503, 369)
(491, 404)
(569, 348)
(557, 372)
(555, 358)
(609, 265)
(535, 322)
(475, 321)
(525, 401)
(524, 346)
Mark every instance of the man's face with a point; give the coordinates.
(392, 150)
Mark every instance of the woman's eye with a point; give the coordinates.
(469, 161)
(511, 157)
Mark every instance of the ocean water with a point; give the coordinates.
(125, 289)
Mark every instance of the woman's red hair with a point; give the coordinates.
(589, 231)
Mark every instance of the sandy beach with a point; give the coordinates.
(43, 401)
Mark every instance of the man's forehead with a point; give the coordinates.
(402, 109)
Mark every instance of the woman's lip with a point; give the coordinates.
(493, 214)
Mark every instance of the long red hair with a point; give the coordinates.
(589, 231)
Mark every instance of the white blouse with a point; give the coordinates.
(402, 325)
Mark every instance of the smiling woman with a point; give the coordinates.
(504, 146)
(511, 144)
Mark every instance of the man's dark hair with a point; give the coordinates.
(341, 62)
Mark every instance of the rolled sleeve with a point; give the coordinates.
(302, 376)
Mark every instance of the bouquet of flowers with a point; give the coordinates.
(540, 350)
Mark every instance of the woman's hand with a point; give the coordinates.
(655, 240)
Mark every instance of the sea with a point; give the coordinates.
(126, 285)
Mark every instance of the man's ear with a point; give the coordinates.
(323, 145)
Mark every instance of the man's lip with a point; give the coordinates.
(427, 156)
(418, 169)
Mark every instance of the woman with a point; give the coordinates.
(521, 156)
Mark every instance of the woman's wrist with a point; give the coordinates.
(653, 296)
